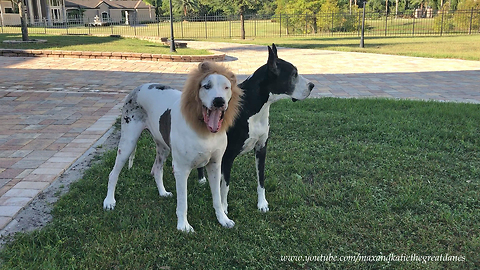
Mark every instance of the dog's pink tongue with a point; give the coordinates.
(214, 121)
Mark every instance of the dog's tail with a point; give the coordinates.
(131, 158)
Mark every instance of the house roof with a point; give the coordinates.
(114, 4)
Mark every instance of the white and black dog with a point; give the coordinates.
(192, 124)
(271, 82)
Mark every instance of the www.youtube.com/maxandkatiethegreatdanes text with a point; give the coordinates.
(375, 258)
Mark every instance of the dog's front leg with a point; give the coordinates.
(181, 175)
(214, 175)
(260, 155)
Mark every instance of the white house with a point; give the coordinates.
(117, 11)
(58, 11)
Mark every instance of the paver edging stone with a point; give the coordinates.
(110, 55)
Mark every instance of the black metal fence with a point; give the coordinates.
(278, 25)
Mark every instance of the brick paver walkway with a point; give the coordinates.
(52, 110)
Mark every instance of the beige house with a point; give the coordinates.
(127, 12)
(80, 11)
(8, 13)
(38, 11)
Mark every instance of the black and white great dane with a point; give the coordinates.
(271, 82)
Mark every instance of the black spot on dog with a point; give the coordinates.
(127, 119)
(130, 101)
(159, 86)
(165, 123)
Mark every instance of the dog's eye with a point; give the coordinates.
(207, 86)
(227, 87)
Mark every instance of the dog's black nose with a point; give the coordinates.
(310, 86)
(218, 102)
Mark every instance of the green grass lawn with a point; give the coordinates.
(265, 32)
(459, 47)
(344, 177)
(95, 43)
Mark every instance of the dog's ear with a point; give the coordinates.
(272, 60)
(204, 66)
(232, 78)
(274, 49)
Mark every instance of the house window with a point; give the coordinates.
(104, 16)
(55, 3)
(56, 14)
(11, 10)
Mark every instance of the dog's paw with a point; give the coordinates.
(108, 204)
(185, 227)
(166, 194)
(263, 206)
(227, 223)
(202, 181)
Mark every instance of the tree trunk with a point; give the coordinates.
(396, 8)
(157, 8)
(242, 24)
(23, 20)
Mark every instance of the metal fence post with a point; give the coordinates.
(255, 26)
(386, 23)
(45, 25)
(134, 26)
(332, 23)
(88, 23)
(413, 26)
(287, 33)
(362, 37)
(280, 24)
(471, 18)
(441, 26)
(181, 25)
(158, 26)
(230, 26)
(359, 27)
(206, 32)
(306, 23)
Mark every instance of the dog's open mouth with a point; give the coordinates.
(213, 118)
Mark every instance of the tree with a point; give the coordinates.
(23, 18)
(468, 4)
(185, 6)
(420, 3)
(297, 8)
(157, 4)
(472, 20)
(240, 7)
(331, 10)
